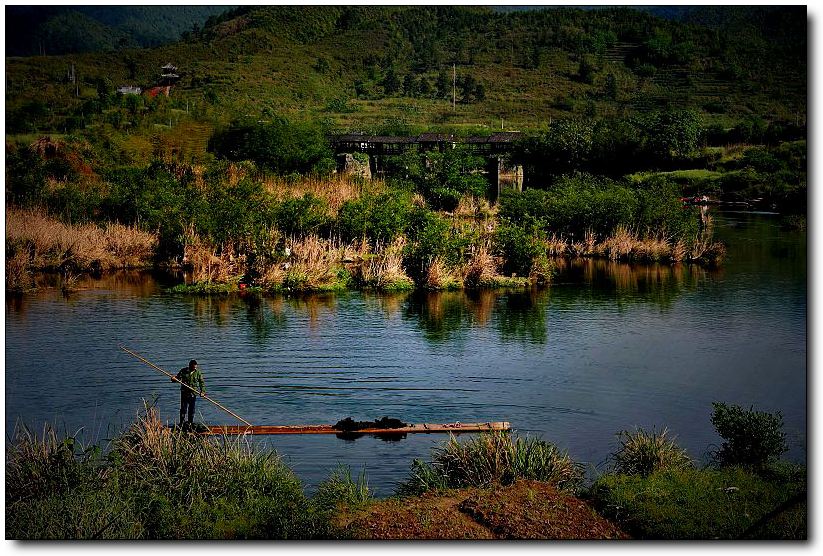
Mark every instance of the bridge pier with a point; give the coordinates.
(502, 176)
(354, 164)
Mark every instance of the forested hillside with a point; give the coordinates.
(35, 30)
(393, 68)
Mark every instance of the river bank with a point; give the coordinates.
(152, 482)
(487, 254)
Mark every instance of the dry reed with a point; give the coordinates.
(481, 269)
(439, 277)
(335, 190)
(210, 264)
(384, 269)
(51, 244)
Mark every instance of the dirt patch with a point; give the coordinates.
(533, 510)
(423, 517)
(525, 510)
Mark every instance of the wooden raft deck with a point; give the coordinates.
(327, 429)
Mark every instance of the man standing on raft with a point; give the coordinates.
(192, 377)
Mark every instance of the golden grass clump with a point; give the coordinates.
(556, 246)
(586, 247)
(473, 207)
(481, 269)
(438, 276)
(313, 263)
(18, 272)
(51, 244)
(384, 269)
(335, 190)
(209, 265)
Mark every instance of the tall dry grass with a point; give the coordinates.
(383, 269)
(210, 264)
(439, 276)
(628, 245)
(481, 270)
(334, 190)
(314, 263)
(37, 241)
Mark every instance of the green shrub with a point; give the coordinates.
(342, 488)
(581, 203)
(238, 212)
(301, 215)
(431, 237)
(494, 458)
(643, 453)
(752, 438)
(380, 218)
(279, 146)
(442, 177)
(155, 483)
(689, 503)
(47, 465)
(519, 248)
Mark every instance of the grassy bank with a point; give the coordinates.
(156, 483)
(237, 225)
(37, 242)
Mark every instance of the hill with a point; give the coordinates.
(32, 30)
(397, 69)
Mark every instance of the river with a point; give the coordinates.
(607, 347)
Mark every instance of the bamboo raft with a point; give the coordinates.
(329, 429)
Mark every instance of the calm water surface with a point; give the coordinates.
(609, 347)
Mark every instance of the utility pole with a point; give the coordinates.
(454, 87)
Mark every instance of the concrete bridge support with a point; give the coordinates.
(502, 176)
(355, 165)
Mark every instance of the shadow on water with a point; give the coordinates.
(521, 316)
(626, 284)
(126, 284)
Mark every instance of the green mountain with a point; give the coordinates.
(32, 30)
(407, 68)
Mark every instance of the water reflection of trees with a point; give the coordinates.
(446, 316)
(441, 316)
(315, 306)
(265, 317)
(390, 304)
(522, 316)
(626, 283)
(49, 286)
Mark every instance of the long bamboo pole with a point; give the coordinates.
(174, 378)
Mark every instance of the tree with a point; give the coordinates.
(391, 83)
(674, 133)
(279, 146)
(480, 92)
(424, 87)
(131, 67)
(586, 70)
(410, 85)
(443, 85)
(610, 86)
